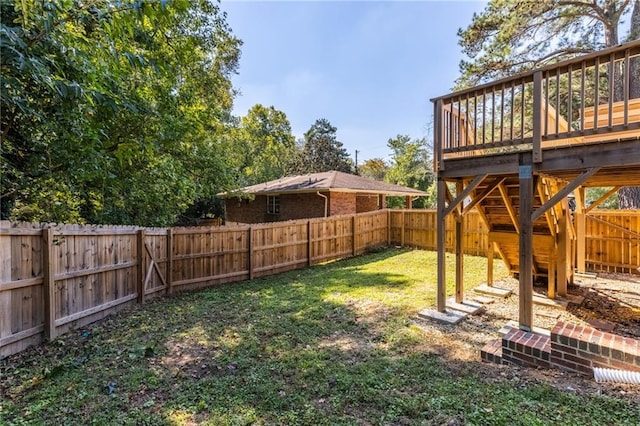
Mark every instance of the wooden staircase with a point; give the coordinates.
(498, 201)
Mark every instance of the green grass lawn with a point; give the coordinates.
(332, 344)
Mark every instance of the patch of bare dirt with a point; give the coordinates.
(610, 302)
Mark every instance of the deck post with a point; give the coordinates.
(441, 245)
(562, 258)
(490, 252)
(537, 117)
(459, 250)
(438, 140)
(526, 243)
(581, 229)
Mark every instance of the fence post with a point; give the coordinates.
(250, 253)
(353, 235)
(388, 227)
(49, 285)
(309, 243)
(169, 271)
(141, 264)
(402, 229)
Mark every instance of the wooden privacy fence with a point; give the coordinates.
(57, 277)
(54, 278)
(613, 241)
(418, 229)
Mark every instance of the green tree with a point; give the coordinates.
(265, 145)
(375, 168)
(114, 112)
(322, 151)
(411, 166)
(511, 36)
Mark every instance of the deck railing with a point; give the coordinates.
(582, 100)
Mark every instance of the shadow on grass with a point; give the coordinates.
(333, 344)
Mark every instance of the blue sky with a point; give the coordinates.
(370, 68)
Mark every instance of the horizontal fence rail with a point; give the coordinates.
(54, 278)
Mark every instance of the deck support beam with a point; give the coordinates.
(526, 243)
(441, 244)
(581, 229)
(460, 196)
(459, 251)
(564, 192)
(563, 258)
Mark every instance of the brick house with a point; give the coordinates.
(312, 195)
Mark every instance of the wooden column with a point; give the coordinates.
(526, 243)
(49, 284)
(459, 249)
(408, 201)
(537, 117)
(141, 265)
(561, 256)
(581, 229)
(438, 136)
(490, 252)
(441, 244)
(551, 273)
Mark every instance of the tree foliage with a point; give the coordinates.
(411, 166)
(114, 112)
(322, 151)
(375, 168)
(264, 146)
(510, 36)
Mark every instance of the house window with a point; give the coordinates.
(273, 204)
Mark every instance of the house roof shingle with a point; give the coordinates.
(329, 181)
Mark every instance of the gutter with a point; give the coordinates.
(326, 202)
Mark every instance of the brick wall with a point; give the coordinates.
(570, 347)
(524, 348)
(299, 206)
(245, 211)
(580, 348)
(292, 206)
(367, 203)
(341, 203)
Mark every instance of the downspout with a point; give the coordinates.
(616, 376)
(326, 202)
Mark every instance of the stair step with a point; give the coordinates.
(467, 306)
(552, 303)
(447, 317)
(482, 299)
(514, 324)
(493, 291)
(492, 351)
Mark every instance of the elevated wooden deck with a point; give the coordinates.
(515, 149)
